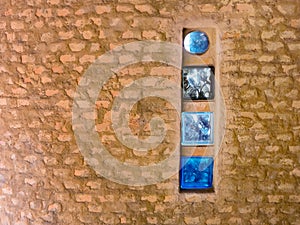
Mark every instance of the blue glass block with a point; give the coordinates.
(196, 128)
(198, 82)
(196, 173)
(196, 42)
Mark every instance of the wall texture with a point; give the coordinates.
(47, 45)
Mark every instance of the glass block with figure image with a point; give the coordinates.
(198, 82)
(197, 128)
(196, 172)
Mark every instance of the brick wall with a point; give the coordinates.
(47, 45)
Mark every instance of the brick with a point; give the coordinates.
(67, 58)
(77, 47)
(214, 221)
(55, 207)
(23, 102)
(275, 198)
(63, 12)
(265, 115)
(124, 8)
(27, 59)
(87, 59)
(248, 68)
(83, 198)
(269, 70)
(94, 47)
(296, 172)
(100, 9)
(145, 8)
(30, 181)
(296, 104)
(287, 68)
(82, 173)
(50, 161)
(294, 198)
(150, 198)
(274, 46)
(95, 208)
(286, 9)
(87, 34)
(81, 11)
(53, 2)
(131, 34)
(207, 8)
(149, 34)
(191, 220)
(294, 47)
(30, 159)
(266, 58)
(94, 184)
(152, 220)
(65, 104)
(3, 101)
(17, 25)
(2, 25)
(267, 34)
(295, 23)
(51, 92)
(57, 69)
(65, 35)
(70, 184)
(64, 137)
(288, 34)
(261, 137)
(46, 13)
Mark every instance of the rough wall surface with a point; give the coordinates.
(46, 45)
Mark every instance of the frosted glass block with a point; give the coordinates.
(198, 83)
(196, 173)
(197, 128)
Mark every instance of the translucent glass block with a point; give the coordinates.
(196, 42)
(197, 128)
(198, 83)
(196, 173)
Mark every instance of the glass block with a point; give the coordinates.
(198, 83)
(196, 173)
(196, 42)
(197, 128)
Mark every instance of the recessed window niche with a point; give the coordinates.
(199, 136)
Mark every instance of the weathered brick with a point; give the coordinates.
(294, 46)
(17, 25)
(245, 8)
(100, 9)
(296, 104)
(207, 8)
(87, 34)
(149, 34)
(63, 12)
(83, 198)
(124, 8)
(268, 34)
(274, 46)
(67, 58)
(77, 47)
(28, 59)
(145, 8)
(191, 220)
(275, 198)
(65, 35)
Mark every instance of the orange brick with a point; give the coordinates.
(100, 9)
